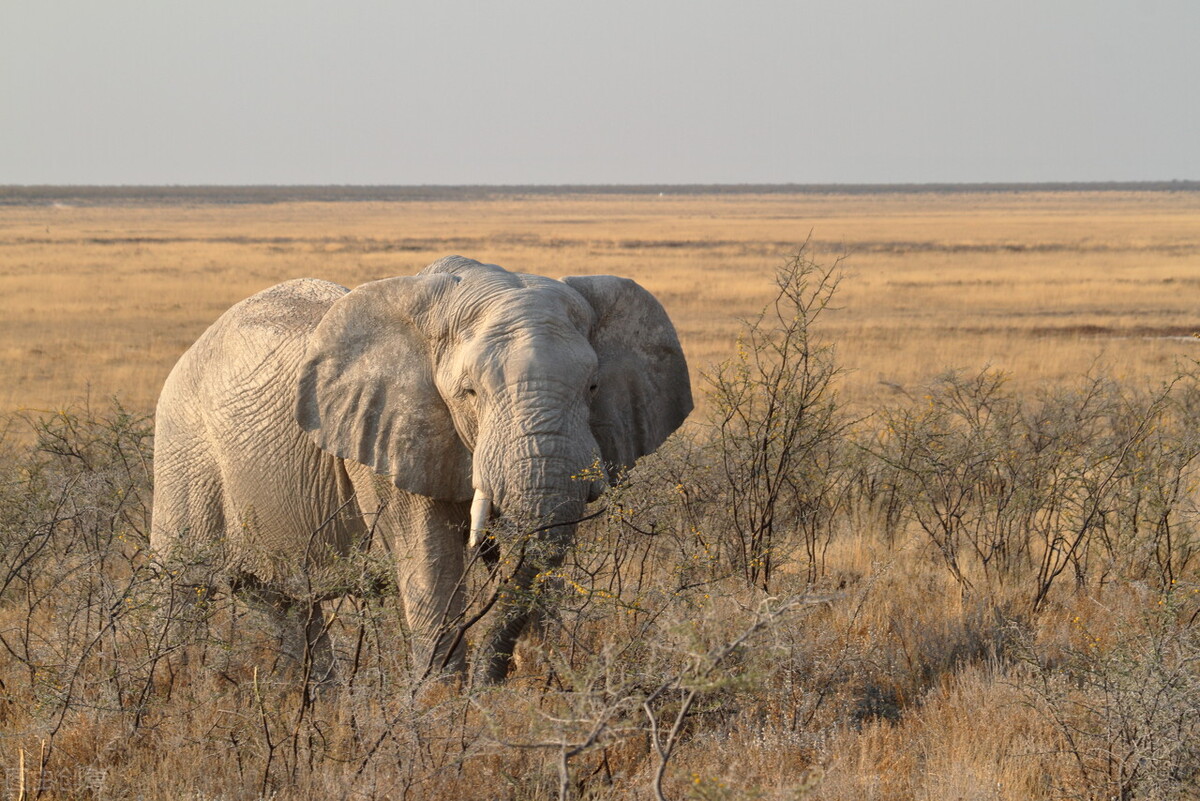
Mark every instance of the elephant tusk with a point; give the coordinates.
(481, 509)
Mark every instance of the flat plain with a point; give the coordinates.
(101, 299)
(982, 586)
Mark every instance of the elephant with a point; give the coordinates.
(410, 416)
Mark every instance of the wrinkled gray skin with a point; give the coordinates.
(311, 421)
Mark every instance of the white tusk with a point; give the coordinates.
(481, 509)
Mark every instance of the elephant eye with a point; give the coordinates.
(470, 393)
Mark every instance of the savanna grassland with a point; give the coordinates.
(933, 531)
(1041, 285)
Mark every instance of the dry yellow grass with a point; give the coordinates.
(103, 299)
(891, 681)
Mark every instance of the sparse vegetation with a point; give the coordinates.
(104, 298)
(971, 592)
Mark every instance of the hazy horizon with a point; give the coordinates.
(534, 93)
(640, 188)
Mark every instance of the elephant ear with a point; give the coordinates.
(367, 393)
(644, 392)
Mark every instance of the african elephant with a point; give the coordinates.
(311, 422)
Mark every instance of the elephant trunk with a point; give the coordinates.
(536, 477)
(541, 494)
(537, 549)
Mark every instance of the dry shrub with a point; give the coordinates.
(777, 428)
(976, 594)
(1096, 482)
(973, 737)
(1122, 687)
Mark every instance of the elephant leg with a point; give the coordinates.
(425, 538)
(318, 648)
(187, 538)
(301, 633)
(429, 568)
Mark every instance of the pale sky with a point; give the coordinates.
(556, 91)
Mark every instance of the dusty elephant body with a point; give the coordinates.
(311, 421)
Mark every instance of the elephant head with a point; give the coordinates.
(468, 382)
